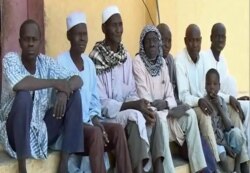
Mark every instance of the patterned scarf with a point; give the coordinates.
(105, 59)
(152, 67)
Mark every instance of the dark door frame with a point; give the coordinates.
(13, 13)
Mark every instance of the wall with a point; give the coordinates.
(133, 15)
(178, 14)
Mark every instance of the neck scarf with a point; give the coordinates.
(105, 59)
(152, 67)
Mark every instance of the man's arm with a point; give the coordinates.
(222, 109)
(75, 82)
(143, 106)
(30, 83)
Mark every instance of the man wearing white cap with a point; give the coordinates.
(98, 136)
(119, 99)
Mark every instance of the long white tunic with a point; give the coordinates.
(190, 78)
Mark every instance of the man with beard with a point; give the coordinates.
(98, 136)
(119, 99)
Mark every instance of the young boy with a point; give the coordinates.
(229, 139)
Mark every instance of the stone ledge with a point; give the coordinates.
(49, 165)
(9, 165)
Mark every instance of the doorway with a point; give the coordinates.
(13, 13)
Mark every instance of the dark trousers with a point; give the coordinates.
(94, 147)
(19, 119)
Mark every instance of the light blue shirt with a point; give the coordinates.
(89, 93)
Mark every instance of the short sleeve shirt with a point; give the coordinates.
(13, 72)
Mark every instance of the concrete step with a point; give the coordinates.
(181, 165)
(9, 165)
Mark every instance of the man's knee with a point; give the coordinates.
(76, 95)
(23, 97)
(191, 116)
(96, 135)
(237, 133)
(118, 128)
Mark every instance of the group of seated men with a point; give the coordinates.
(132, 108)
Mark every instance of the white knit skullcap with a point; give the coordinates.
(74, 19)
(108, 12)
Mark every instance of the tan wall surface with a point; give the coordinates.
(178, 14)
(133, 15)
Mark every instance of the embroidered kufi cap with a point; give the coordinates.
(108, 12)
(74, 19)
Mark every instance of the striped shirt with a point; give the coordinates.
(13, 72)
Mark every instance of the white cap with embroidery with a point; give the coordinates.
(108, 12)
(74, 19)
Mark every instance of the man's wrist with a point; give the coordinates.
(63, 93)
(70, 87)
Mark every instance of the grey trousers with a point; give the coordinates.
(206, 130)
(138, 147)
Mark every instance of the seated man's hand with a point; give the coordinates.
(63, 86)
(230, 151)
(150, 117)
(143, 106)
(179, 111)
(236, 106)
(60, 105)
(97, 123)
(205, 106)
(160, 104)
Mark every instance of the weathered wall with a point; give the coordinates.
(133, 15)
(178, 14)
